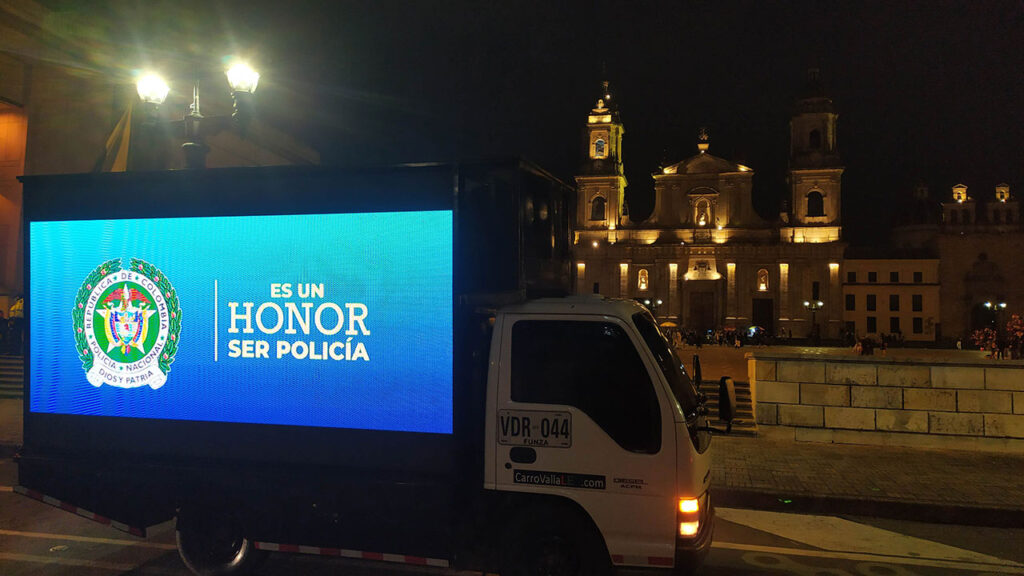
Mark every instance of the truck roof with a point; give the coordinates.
(579, 304)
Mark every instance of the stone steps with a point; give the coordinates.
(743, 423)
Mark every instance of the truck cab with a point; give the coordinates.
(590, 411)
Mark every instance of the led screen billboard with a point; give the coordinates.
(324, 320)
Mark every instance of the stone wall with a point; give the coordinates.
(873, 400)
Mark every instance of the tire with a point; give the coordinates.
(543, 543)
(213, 543)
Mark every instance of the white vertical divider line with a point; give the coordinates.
(216, 305)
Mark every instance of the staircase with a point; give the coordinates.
(12, 380)
(743, 423)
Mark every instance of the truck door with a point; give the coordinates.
(581, 413)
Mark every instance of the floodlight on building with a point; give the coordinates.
(594, 243)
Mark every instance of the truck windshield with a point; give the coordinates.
(668, 362)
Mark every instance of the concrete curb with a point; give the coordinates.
(937, 513)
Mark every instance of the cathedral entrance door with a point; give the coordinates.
(702, 311)
(763, 314)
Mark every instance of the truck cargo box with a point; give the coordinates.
(275, 316)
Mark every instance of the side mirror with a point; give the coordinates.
(726, 402)
(696, 371)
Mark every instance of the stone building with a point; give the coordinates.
(704, 258)
(976, 240)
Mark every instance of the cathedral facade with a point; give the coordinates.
(704, 259)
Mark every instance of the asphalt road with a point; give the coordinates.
(39, 540)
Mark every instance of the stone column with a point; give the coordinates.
(783, 291)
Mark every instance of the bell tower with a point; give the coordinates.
(815, 170)
(601, 181)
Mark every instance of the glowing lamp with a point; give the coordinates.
(152, 89)
(689, 528)
(242, 78)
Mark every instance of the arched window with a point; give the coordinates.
(641, 279)
(762, 280)
(599, 145)
(597, 209)
(815, 204)
(814, 139)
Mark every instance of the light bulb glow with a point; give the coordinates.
(242, 78)
(152, 89)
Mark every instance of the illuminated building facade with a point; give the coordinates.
(704, 259)
(976, 239)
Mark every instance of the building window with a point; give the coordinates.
(872, 276)
(918, 325)
(851, 302)
(641, 279)
(815, 290)
(916, 302)
(597, 208)
(894, 324)
(597, 287)
(814, 139)
(872, 324)
(599, 146)
(851, 277)
(918, 277)
(762, 280)
(871, 304)
(894, 302)
(997, 216)
(954, 216)
(815, 204)
(894, 277)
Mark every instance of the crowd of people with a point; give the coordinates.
(681, 338)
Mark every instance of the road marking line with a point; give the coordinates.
(841, 535)
(860, 557)
(73, 538)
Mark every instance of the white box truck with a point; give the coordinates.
(376, 363)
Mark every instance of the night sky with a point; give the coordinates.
(926, 91)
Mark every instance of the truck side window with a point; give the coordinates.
(594, 367)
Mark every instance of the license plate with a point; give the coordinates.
(535, 428)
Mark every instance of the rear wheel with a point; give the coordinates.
(213, 543)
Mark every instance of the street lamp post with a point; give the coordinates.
(814, 306)
(998, 308)
(242, 80)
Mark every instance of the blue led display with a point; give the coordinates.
(327, 320)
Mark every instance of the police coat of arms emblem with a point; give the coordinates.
(127, 325)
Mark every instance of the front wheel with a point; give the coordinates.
(213, 543)
(546, 544)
